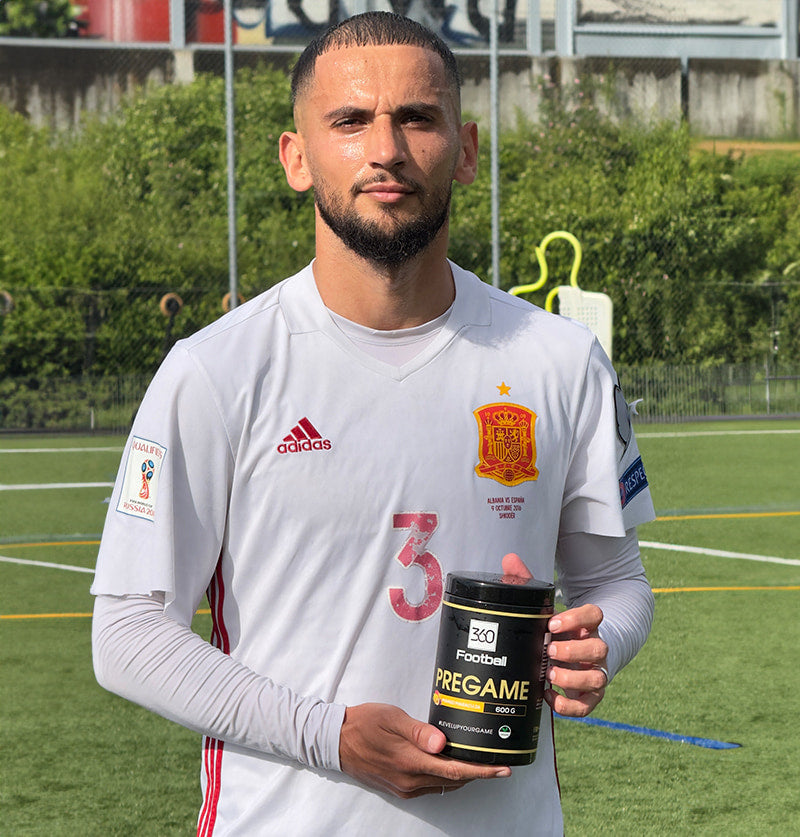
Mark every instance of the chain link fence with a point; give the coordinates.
(113, 243)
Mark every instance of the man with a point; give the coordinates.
(321, 457)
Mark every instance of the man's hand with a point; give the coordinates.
(577, 654)
(384, 748)
(578, 661)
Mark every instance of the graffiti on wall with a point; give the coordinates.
(464, 23)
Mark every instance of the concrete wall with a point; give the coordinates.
(54, 86)
(519, 82)
(643, 89)
(719, 97)
(744, 98)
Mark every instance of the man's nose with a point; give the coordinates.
(386, 144)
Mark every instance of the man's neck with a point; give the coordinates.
(384, 297)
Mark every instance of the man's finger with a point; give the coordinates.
(585, 618)
(514, 566)
(578, 680)
(592, 651)
(573, 707)
(426, 736)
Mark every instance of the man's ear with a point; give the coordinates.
(467, 166)
(293, 159)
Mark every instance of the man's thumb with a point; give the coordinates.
(428, 738)
(513, 565)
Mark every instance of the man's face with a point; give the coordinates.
(379, 139)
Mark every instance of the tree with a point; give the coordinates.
(699, 252)
(99, 225)
(37, 18)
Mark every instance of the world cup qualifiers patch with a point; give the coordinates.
(140, 484)
(632, 482)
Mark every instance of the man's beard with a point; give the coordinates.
(385, 244)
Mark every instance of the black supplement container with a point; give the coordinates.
(491, 660)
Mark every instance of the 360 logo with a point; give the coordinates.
(482, 635)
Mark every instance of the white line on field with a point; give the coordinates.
(45, 564)
(38, 485)
(720, 553)
(690, 433)
(61, 450)
(697, 550)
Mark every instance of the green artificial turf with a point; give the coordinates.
(719, 664)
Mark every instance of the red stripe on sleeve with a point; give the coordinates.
(212, 764)
(212, 747)
(216, 601)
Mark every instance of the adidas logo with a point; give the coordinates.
(303, 436)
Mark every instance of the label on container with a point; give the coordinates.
(489, 683)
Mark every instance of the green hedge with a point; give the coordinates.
(700, 253)
(86, 404)
(674, 393)
(667, 393)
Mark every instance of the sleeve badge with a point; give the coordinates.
(624, 429)
(140, 483)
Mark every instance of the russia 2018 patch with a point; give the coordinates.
(140, 484)
(632, 482)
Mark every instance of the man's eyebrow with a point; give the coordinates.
(346, 111)
(420, 109)
(410, 109)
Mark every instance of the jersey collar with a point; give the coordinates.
(305, 313)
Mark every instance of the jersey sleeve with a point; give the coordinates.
(145, 656)
(606, 490)
(167, 515)
(608, 572)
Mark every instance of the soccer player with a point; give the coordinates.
(320, 458)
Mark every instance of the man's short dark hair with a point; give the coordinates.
(373, 29)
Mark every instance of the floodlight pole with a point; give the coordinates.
(230, 142)
(494, 128)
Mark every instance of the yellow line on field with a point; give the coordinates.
(726, 516)
(717, 589)
(659, 519)
(207, 612)
(51, 543)
(201, 612)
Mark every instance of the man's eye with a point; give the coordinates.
(419, 119)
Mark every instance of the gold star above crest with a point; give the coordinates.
(504, 389)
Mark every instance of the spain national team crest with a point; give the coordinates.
(507, 450)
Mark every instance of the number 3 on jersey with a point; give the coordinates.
(421, 525)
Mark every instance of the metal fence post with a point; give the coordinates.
(533, 34)
(177, 24)
(789, 26)
(566, 15)
(230, 135)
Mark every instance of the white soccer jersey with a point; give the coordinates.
(322, 496)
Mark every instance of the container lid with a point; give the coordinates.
(496, 589)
